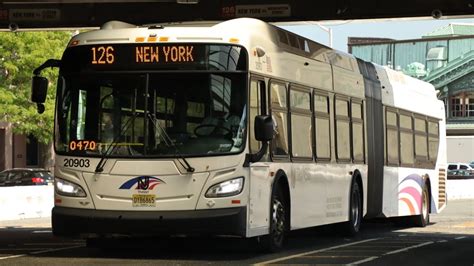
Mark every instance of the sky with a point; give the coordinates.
(399, 29)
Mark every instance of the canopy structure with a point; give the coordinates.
(24, 14)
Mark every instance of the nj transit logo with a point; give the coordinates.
(142, 182)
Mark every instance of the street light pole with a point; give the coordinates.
(324, 28)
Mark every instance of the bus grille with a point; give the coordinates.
(442, 188)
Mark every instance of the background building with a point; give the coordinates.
(18, 151)
(443, 57)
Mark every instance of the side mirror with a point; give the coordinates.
(263, 126)
(39, 89)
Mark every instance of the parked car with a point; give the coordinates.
(25, 177)
(460, 166)
(471, 164)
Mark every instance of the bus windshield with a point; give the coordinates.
(151, 114)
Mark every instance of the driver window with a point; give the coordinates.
(255, 108)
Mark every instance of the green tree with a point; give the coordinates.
(20, 54)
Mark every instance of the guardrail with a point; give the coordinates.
(26, 202)
(460, 187)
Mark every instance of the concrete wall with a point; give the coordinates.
(26, 202)
(460, 148)
(460, 189)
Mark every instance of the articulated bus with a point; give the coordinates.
(235, 128)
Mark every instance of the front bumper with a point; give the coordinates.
(85, 222)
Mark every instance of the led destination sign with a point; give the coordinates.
(131, 57)
(147, 54)
(103, 55)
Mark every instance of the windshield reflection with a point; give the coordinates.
(152, 114)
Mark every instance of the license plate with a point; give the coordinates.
(143, 200)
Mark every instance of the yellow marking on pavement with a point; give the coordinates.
(465, 225)
(11, 257)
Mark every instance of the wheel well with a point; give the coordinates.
(281, 180)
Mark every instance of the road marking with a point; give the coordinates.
(42, 232)
(55, 249)
(443, 241)
(334, 257)
(18, 249)
(39, 252)
(50, 244)
(315, 251)
(460, 237)
(363, 261)
(353, 250)
(408, 248)
(464, 225)
(12, 257)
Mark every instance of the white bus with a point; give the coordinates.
(238, 128)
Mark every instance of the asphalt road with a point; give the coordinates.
(448, 240)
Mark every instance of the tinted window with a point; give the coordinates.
(3, 176)
(43, 174)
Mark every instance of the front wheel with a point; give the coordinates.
(276, 238)
(352, 226)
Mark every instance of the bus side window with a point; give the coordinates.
(433, 141)
(322, 127)
(343, 144)
(421, 142)
(407, 154)
(357, 120)
(301, 125)
(279, 107)
(255, 108)
(392, 140)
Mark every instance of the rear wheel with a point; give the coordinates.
(423, 218)
(276, 238)
(352, 226)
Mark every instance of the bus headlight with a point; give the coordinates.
(67, 188)
(226, 189)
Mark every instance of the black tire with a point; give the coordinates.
(279, 223)
(352, 227)
(423, 219)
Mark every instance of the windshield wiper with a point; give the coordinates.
(169, 142)
(100, 166)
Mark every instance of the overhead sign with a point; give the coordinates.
(3, 14)
(256, 11)
(29, 15)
